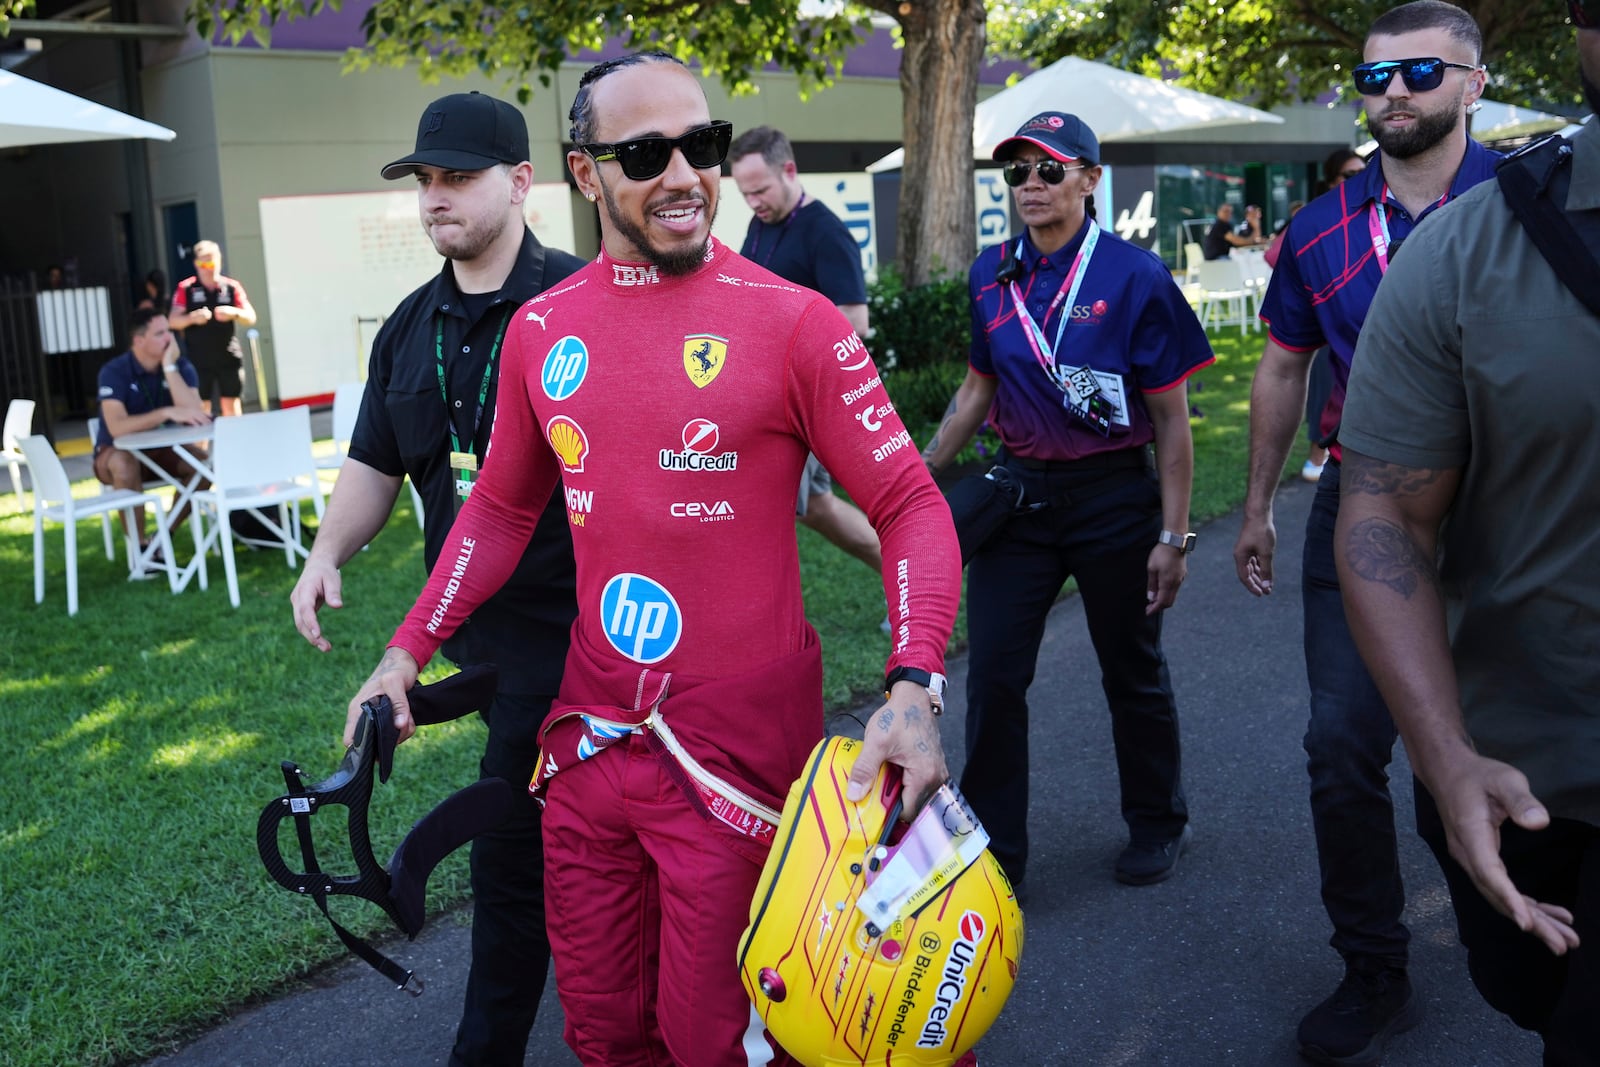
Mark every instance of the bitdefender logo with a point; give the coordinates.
(953, 981)
(700, 439)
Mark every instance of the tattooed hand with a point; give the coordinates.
(903, 732)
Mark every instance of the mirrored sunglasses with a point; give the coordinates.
(646, 157)
(1420, 75)
(1051, 171)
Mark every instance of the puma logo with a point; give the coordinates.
(536, 317)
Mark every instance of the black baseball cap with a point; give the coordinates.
(1064, 137)
(465, 131)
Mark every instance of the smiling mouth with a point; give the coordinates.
(681, 211)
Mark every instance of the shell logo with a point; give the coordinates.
(571, 444)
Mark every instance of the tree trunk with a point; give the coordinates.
(944, 42)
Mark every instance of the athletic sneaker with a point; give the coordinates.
(1349, 1029)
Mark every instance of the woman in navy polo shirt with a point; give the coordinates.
(1081, 348)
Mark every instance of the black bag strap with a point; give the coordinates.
(1525, 180)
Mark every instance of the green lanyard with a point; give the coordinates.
(483, 389)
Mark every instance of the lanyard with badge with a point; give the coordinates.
(1084, 397)
(755, 249)
(1378, 226)
(464, 461)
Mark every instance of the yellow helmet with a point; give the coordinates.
(918, 986)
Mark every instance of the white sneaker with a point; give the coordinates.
(1311, 472)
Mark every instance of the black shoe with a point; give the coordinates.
(1148, 863)
(1350, 1027)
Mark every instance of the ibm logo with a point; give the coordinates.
(641, 619)
(625, 274)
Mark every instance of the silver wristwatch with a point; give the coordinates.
(1183, 542)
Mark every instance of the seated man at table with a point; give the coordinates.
(1223, 236)
(149, 385)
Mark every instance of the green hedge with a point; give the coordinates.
(919, 341)
(921, 327)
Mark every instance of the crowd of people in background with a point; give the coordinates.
(1449, 593)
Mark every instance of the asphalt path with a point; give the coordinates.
(1213, 967)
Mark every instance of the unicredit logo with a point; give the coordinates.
(952, 980)
(700, 439)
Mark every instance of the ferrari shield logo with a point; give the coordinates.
(703, 356)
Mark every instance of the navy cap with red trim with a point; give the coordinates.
(465, 131)
(1063, 136)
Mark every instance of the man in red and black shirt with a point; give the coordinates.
(206, 307)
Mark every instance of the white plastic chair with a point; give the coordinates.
(346, 406)
(261, 461)
(18, 424)
(1224, 299)
(1193, 256)
(53, 500)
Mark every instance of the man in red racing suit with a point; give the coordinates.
(673, 389)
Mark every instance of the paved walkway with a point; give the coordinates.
(1214, 967)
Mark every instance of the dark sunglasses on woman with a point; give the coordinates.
(644, 158)
(1420, 75)
(1051, 171)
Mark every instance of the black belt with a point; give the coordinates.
(1114, 460)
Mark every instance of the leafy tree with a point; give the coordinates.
(1279, 50)
(943, 42)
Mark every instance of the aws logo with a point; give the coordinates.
(850, 353)
(641, 619)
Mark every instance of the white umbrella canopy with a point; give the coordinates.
(1117, 105)
(32, 113)
(1497, 122)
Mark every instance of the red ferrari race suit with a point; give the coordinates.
(676, 412)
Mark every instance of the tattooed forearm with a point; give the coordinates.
(1360, 474)
(932, 448)
(1380, 551)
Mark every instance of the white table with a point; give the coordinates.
(179, 439)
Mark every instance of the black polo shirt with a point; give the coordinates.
(402, 429)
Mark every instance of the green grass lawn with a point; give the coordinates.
(144, 739)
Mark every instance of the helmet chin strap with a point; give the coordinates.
(399, 889)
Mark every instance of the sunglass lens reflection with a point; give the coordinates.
(1051, 171)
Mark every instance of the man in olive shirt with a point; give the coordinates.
(1475, 390)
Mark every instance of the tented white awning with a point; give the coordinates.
(1117, 105)
(33, 113)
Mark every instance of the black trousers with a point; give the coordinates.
(510, 952)
(1099, 528)
(1557, 996)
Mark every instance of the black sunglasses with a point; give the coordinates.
(1585, 13)
(646, 157)
(1372, 79)
(1051, 171)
